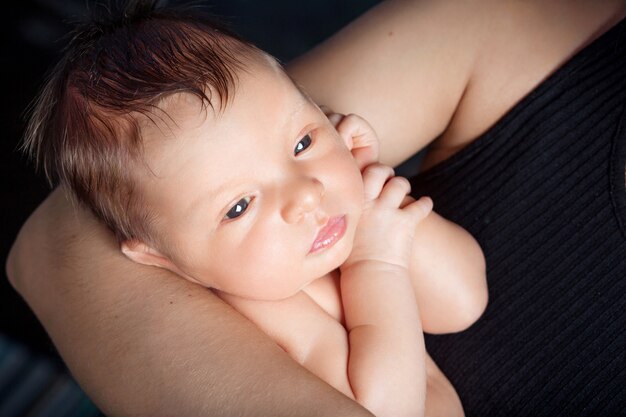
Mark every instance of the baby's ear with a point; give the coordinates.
(142, 253)
(360, 138)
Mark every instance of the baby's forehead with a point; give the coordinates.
(196, 146)
(263, 80)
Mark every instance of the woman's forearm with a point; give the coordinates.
(142, 342)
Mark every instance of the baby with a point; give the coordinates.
(204, 158)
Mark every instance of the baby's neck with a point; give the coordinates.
(326, 292)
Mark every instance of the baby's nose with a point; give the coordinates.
(303, 196)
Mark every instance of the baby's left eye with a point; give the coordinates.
(303, 144)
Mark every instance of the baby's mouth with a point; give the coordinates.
(330, 234)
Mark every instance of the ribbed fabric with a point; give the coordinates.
(543, 193)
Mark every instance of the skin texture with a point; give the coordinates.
(137, 354)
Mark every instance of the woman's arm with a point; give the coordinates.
(143, 342)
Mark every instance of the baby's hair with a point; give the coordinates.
(84, 130)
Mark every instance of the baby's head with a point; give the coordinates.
(199, 152)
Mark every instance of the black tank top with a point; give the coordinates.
(543, 192)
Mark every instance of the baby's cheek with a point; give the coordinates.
(357, 192)
(266, 254)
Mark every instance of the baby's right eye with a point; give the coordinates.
(238, 209)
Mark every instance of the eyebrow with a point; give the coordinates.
(207, 200)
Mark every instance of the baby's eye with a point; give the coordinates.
(238, 209)
(304, 143)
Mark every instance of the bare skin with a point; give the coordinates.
(131, 335)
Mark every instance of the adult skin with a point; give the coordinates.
(142, 342)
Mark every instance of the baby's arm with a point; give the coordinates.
(448, 273)
(386, 360)
(447, 265)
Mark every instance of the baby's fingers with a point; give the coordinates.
(420, 208)
(360, 137)
(374, 178)
(394, 191)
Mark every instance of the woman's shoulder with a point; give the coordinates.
(520, 43)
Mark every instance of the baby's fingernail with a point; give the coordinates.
(426, 203)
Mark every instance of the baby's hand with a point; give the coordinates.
(387, 227)
(358, 134)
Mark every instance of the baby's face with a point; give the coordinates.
(256, 201)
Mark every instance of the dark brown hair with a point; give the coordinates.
(84, 130)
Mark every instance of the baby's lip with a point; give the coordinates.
(330, 234)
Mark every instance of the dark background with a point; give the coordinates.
(32, 35)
